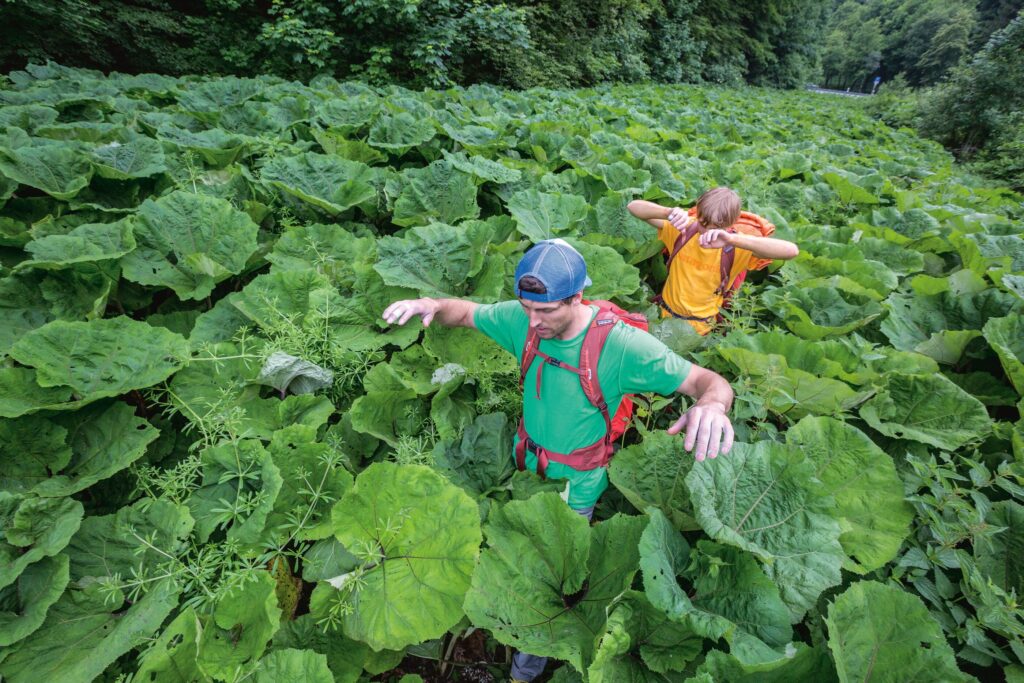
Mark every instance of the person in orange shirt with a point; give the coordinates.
(711, 247)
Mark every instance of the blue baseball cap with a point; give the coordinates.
(558, 266)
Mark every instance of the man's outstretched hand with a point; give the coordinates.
(708, 430)
(401, 311)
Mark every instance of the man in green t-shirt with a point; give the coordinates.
(557, 415)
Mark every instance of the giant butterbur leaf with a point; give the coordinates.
(305, 466)
(796, 663)
(20, 394)
(237, 475)
(927, 408)
(140, 157)
(400, 132)
(34, 528)
(329, 182)
(1006, 336)
(84, 244)
(243, 622)
(540, 215)
(869, 493)
(132, 541)
(850, 188)
(216, 147)
(878, 632)
(436, 259)
(765, 498)
(941, 325)
(23, 605)
(104, 439)
(345, 657)
(86, 631)
(818, 312)
(423, 536)
(297, 666)
(102, 357)
(641, 645)
(32, 448)
(482, 460)
(58, 170)
(546, 579)
(440, 192)
(653, 473)
(731, 596)
(189, 242)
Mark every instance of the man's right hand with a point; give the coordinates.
(679, 218)
(401, 311)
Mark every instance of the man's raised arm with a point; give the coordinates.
(448, 312)
(708, 429)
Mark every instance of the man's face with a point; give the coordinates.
(550, 319)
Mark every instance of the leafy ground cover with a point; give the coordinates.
(217, 463)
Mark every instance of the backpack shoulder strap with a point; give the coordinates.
(681, 241)
(529, 353)
(725, 269)
(593, 344)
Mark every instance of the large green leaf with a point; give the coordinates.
(345, 657)
(243, 622)
(140, 157)
(796, 663)
(941, 325)
(879, 632)
(104, 439)
(23, 605)
(482, 460)
(613, 277)
(927, 408)
(766, 499)
(329, 182)
(400, 133)
(240, 484)
(817, 312)
(862, 478)
(421, 537)
(791, 391)
(998, 555)
(540, 216)
(731, 596)
(86, 631)
(296, 666)
(437, 193)
(132, 541)
(544, 583)
(311, 483)
(1006, 336)
(58, 170)
(215, 146)
(189, 242)
(641, 645)
(20, 394)
(436, 259)
(849, 188)
(31, 449)
(84, 244)
(172, 656)
(34, 528)
(653, 473)
(102, 357)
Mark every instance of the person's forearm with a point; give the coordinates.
(645, 210)
(455, 312)
(708, 388)
(765, 247)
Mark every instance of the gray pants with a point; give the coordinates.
(527, 667)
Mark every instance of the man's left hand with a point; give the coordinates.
(708, 430)
(716, 238)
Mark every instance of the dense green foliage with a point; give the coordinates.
(522, 43)
(916, 40)
(977, 111)
(218, 463)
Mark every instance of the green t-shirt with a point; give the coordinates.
(562, 419)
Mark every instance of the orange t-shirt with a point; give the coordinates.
(695, 272)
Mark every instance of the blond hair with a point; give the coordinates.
(718, 207)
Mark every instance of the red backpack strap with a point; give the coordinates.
(593, 344)
(530, 349)
(725, 269)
